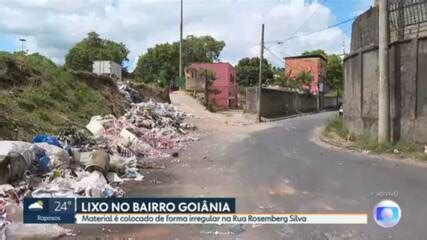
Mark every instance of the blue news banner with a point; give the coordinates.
(63, 210)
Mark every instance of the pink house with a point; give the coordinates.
(225, 83)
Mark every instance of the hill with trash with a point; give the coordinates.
(38, 96)
(82, 135)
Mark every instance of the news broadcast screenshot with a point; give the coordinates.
(213, 119)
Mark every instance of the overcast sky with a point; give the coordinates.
(51, 27)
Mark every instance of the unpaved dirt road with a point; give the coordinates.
(275, 167)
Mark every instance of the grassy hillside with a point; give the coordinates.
(38, 96)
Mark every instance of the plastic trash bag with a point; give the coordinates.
(13, 146)
(56, 154)
(44, 138)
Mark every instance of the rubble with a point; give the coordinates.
(129, 93)
(34, 231)
(98, 161)
(144, 131)
(74, 164)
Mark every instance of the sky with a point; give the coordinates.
(52, 27)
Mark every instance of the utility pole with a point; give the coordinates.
(319, 78)
(261, 59)
(180, 42)
(384, 88)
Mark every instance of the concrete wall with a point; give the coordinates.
(280, 103)
(408, 83)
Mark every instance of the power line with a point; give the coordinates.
(273, 54)
(311, 33)
(307, 19)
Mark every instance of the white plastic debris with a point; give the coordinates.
(92, 185)
(95, 126)
(114, 178)
(145, 129)
(20, 231)
(13, 146)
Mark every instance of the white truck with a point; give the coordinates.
(109, 68)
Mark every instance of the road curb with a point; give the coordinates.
(294, 116)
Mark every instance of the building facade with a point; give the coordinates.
(108, 68)
(314, 64)
(225, 88)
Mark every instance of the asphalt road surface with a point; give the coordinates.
(281, 169)
(305, 177)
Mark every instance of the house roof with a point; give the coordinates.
(308, 56)
(192, 65)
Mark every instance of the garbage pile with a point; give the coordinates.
(129, 93)
(47, 169)
(74, 164)
(148, 130)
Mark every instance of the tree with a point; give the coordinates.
(208, 77)
(248, 71)
(279, 77)
(91, 48)
(334, 70)
(315, 52)
(160, 63)
(304, 80)
(335, 74)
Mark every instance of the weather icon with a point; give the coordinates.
(36, 205)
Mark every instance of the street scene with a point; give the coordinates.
(320, 121)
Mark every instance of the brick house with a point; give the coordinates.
(315, 64)
(225, 83)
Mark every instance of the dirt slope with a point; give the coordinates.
(38, 96)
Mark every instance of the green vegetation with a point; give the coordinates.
(81, 56)
(38, 96)
(334, 70)
(160, 64)
(335, 128)
(248, 71)
(209, 78)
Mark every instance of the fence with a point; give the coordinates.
(408, 18)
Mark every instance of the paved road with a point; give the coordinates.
(302, 176)
(281, 169)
